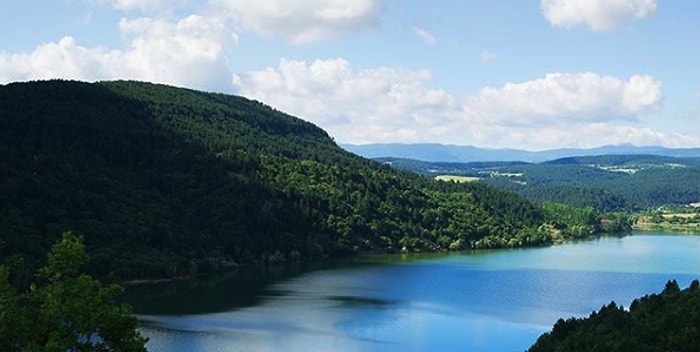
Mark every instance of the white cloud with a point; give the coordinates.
(63, 59)
(564, 97)
(567, 109)
(188, 52)
(301, 21)
(387, 104)
(366, 105)
(578, 135)
(613, 134)
(425, 36)
(599, 15)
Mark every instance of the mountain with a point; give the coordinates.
(453, 153)
(171, 182)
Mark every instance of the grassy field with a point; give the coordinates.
(456, 178)
(670, 222)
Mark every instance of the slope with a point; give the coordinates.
(166, 182)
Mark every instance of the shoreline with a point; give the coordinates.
(555, 242)
(643, 224)
(136, 282)
(692, 230)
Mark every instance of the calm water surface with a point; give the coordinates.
(477, 301)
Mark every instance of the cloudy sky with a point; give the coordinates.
(532, 74)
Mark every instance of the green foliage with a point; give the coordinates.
(66, 310)
(169, 182)
(576, 196)
(678, 218)
(569, 222)
(563, 215)
(660, 322)
(606, 183)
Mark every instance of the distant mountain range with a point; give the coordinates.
(435, 152)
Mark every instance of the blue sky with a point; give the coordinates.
(492, 73)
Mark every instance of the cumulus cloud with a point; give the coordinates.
(558, 97)
(599, 15)
(188, 52)
(365, 105)
(301, 21)
(425, 36)
(386, 104)
(617, 134)
(63, 59)
(578, 135)
(567, 109)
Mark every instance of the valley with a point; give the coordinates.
(168, 185)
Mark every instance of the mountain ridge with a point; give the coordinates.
(436, 152)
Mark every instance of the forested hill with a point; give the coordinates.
(605, 182)
(167, 182)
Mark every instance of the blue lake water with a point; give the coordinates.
(476, 301)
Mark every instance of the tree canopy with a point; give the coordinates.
(65, 309)
(662, 322)
(606, 182)
(170, 182)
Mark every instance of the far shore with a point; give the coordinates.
(643, 224)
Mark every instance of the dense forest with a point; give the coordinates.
(606, 182)
(168, 182)
(662, 322)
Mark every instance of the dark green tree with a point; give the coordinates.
(66, 310)
(662, 322)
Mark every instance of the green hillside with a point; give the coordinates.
(609, 182)
(605, 182)
(166, 182)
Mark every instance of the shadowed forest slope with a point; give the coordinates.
(166, 182)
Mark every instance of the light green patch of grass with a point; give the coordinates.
(456, 178)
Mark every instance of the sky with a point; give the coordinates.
(527, 74)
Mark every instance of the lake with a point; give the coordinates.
(499, 300)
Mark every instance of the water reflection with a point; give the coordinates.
(215, 293)
(481, 301)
